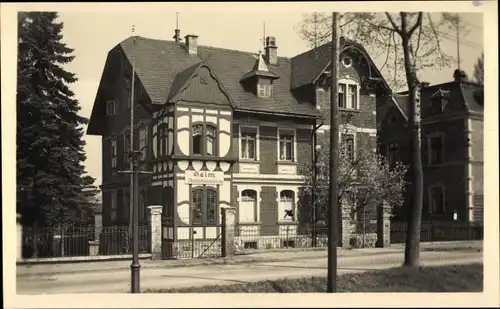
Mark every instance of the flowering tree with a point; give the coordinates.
(365, 178)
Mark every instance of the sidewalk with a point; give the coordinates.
(248, 257)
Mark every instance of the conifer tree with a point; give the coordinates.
(49, 130)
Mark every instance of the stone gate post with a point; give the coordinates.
(155, 212)
(228, 231)
(383, 225)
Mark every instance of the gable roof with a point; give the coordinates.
(308, 66)
(164, 66)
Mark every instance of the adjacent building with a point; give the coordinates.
(452, 147)
(220, 127)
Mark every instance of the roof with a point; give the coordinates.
(472, 95)
(164, 67)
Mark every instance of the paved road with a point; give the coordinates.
(117, 281)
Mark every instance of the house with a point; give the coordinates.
(220, 128)
(451, 148)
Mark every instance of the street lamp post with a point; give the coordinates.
(135, 158)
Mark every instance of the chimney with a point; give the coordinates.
(459, 76)
(271, 50)
(192, 44)
(177, 36)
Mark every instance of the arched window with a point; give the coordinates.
(211, 140)
(287, 205)
(248, 206)
(197, 138)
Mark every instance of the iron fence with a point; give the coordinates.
(258, 236)
(439, 231)
(50, 242)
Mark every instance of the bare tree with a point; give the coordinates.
(409, 42)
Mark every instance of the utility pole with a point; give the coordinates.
(131, 145)
(135, 157)
(334, 161)
(458, 40)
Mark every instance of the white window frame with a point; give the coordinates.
(348, 103)
(294, 143)
(431, 208)
(256, 146)
(264, 91)
(111, 107)
(114, 151)
(214, 139)
(353, 136)
(242, 200)
(429, 147)
(114, 206)
(281, 208)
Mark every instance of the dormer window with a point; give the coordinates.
(259, 79)
(265, 91)
(439, 100)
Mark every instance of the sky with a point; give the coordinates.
(92, 33)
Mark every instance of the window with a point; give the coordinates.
(352, 99)
(162, 139)
(204, 207)
(348, 95)
(143, 141)
(197, 138)
(342, 98)
(286, 141)
(248, 143)
(436, 149)
(126, 147)
(126, 205)
(211, 140)
(346, 61)
(111, 108)
(264, 91)
(211, 213)
(113, 206)
(393, 154)
(113, 153)
(437, 200)
(248, 206)
(348, 146)
(142, 206)
(287, 206)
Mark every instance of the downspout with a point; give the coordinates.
(313, 193)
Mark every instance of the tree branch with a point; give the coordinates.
(418, 40)
(435, 34)
(389, 17)
(417, 24)
(388, 51)
(380, 26)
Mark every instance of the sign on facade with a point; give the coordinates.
(204, 178)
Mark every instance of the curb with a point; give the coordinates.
(208, 262)
(253, 257)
